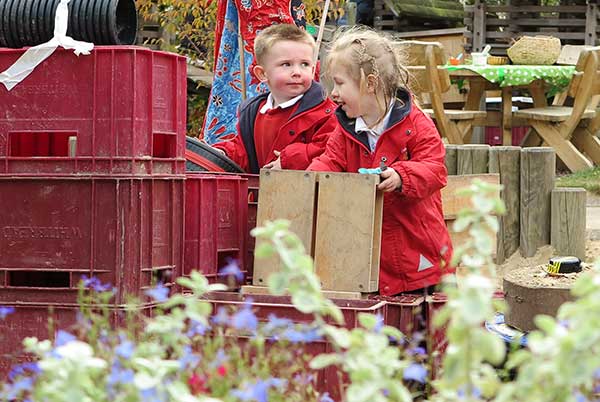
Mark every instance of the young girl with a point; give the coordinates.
(380, 126)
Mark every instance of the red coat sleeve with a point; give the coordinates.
(235, 150)
(425, 172)
(334, 158)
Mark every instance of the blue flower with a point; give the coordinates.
(244, 318)
(417, 351)
(120, 375)
(221, 318)
(295, 336)
(378, 323)
(304, 379)
(125, 349)
(196, 328)
(188, 358)
(219, 360)
(151, 395)
(23, 368)
(15, 389)
(416, 372)
(232, 268)
(63, 337)
(4, 311)
(160, 293)
(476, 393)
(579, 397)
(259, 390)
(325, 398)
(95, 284)
(275, 323)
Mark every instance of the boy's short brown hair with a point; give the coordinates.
(279, 32)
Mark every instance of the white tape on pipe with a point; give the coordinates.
(37, 54)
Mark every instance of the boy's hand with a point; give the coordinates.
(391, 180)
(276, 164)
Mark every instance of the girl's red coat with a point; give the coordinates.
(415, 239)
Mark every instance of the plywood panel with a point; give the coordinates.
(348, 232)
(452, 203)
(290, 195)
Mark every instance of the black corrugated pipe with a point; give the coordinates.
(102, 22)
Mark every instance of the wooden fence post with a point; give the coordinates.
(506, 161)
(537, 182)
(472, 159)
(450, 158)
(568, 221)
(591, 24)
(479, 26)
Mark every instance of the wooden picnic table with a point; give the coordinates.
(540, 81)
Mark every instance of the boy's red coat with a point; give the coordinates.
(300, 139)
(414, 234)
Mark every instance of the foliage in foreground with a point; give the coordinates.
(187, 352)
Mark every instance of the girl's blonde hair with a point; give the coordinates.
(362, 51)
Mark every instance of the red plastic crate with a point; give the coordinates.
(252, 210)
(216, 215)
(493, 135)
(126, 231)
(119, 110)
(34, 319)
(403, 313)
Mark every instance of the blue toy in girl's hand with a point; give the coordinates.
(378, 170)
(369, 171)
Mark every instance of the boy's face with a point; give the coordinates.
(288, 69)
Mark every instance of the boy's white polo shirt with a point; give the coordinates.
(374, 133)
(269, 103)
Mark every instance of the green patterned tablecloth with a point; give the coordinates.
(557, 77)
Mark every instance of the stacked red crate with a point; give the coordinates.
(92, 172)
(216, 229)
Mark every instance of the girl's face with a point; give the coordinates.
(354, 102)
(346, 91)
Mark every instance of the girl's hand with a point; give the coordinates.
(391, 180)
(276, 164)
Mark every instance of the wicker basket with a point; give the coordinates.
(497, 60)
(538, 50)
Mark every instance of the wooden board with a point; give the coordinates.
(285, 194)
(348, 232)
(330, 294)
(452, 203)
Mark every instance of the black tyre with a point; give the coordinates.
(212, 157)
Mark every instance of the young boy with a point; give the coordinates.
(289, 126)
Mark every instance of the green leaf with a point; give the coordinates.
(545, 323)
(339, 336)
(492, 346)
(264, 250)
(367, 320)
(277, 283)
(392, 332)
(307, 302)
(324, 360)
